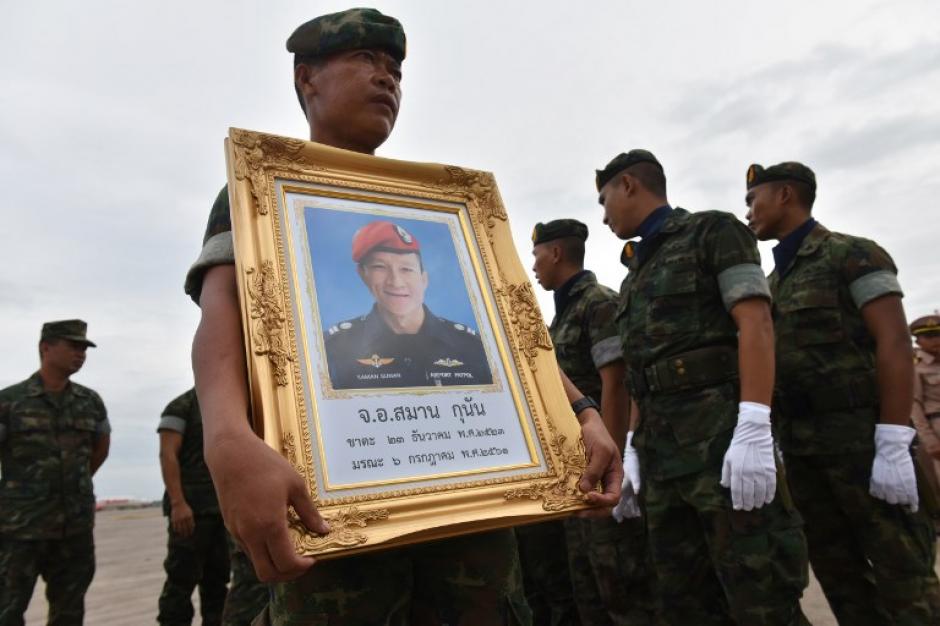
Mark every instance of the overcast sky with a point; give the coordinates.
(112, 117)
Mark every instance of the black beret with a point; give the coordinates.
(788, 170)
(348, 30)
(556, 229)
(621, 162)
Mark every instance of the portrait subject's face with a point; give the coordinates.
(396, 281)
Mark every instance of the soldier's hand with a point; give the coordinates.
(748, 469)
(181, 519)
(892, 472)
(255, 486)
(603, 462)
(629, 505)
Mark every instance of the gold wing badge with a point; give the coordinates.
(376, 361)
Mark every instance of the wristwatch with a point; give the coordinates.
(584, 403)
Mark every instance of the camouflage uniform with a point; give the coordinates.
(247, 596)
(874, 560)
(202, 557)
(475, 579)
(614, 568)
(713, 564)
(47, 504)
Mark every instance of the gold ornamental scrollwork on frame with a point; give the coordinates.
(563, 492)
(253, 153)
(270, 322)
(343, 529)
(525, 317)
(482, 195)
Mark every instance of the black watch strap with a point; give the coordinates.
(584, 403)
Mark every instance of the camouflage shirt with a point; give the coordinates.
(217, 245)
(826, 393)
(46, 442)
(182, 415)
(585, 334)
(694, 270)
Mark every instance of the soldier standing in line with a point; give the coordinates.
(54, 435)
(347, 71)
(926, 409)
(843, 405)
(697, 339)
(197, 552)
(609, 566)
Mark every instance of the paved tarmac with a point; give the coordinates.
(131, 545)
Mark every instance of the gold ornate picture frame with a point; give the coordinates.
(461, 428)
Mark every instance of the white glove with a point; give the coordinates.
(749, 469)
(892, 473)
(630, 488)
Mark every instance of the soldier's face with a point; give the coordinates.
(619, 208)
(352, 98)
(544, 265)
(765, 212)
(396, 281)
(63, 355)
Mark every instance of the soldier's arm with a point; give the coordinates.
(731, 254)
(872, 279)
(255, 485)
(615, 402)
(181, 515)
(755, 349)
(884, 318)
(99, 452)
(603, 457)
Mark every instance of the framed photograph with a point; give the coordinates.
(396, 353)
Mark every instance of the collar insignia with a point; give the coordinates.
(376, 361)
(448, 362)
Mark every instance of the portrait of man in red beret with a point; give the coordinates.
(400, 342)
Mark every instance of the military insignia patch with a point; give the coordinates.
(345, 325)
(751, 173)
(535, 233)
(376, 361)
(448, 362)
(459, 326)
(403, 234)
(629, 250)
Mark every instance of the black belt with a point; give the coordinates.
(688, 370)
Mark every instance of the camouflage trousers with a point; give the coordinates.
(247, 596)
(873, 560)
(545, 573)
(610, 571)
(67, 565)
(715, 565)
(199, 559)
(473, 580)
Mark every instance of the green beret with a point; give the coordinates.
(73, 330)
(788, 170)
(621, 162)
(348, 30)
(556, 229)
(928, 324)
